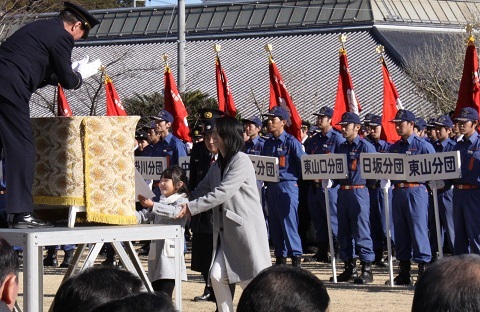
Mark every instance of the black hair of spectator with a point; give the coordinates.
(143, 302)
(9, 263)
(451, 284)
(177, 174)
(93, 287)
(231, 131)
(284, 289)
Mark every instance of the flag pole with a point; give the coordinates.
(386, 203)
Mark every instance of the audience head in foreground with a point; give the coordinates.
(143, 302)
(281, 289)
(9, 266)
(451, 284)
(93, 287)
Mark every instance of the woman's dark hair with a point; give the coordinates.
(177, 174)
(231, 132)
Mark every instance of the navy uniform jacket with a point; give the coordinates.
(255, 146)
(413, 146)
(353, 150)
(470, 159)
(200, 159)
(172, 148)
(36, 55)
(289, 151)
(324, 144)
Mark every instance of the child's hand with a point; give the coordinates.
(145, 202)
(184, 212)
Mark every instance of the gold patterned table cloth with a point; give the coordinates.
(87, 161)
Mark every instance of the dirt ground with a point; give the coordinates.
(343, 297)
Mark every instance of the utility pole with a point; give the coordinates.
(181, 46)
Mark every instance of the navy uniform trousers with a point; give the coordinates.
(353, 212)
(19, 148)
(318, 213)
(410, 219)
(282, 199)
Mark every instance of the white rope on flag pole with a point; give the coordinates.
(389, 234)
(330, 235)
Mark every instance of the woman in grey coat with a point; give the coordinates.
(240, 240)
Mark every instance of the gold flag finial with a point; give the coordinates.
(380, 49)
(217, 47)
(342, 38)
(269, 47)
(469, 29)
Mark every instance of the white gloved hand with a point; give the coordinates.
(89, 69)
(385, 183)
(327, 183)
(77, 63)
(439, 184)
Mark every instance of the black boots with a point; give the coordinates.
(280, 261)
(297, 261)
(321, 255)
(67, 258)
(379, 262)
(366, 276)
(404, 278)
(422, 266)
(51, 258)
(349, 273)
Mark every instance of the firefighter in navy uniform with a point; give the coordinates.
(377, 203)
(282, 196)
(410, 204)
(443, 128)
(353, 205)
(202, 156)
(325, 141)
(466, 189)
(36, 55)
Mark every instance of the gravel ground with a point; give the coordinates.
(343, 297)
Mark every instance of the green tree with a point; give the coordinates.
(151, 104)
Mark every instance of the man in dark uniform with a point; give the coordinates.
(466, 191)
(326, 141)
(443, 128)
(202, 156)
(282, 196)
(377, 203)
(410, 203)
(34, 56)
(353, 205)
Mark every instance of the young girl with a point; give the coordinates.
(174, 192)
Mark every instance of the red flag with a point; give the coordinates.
(469, 93)
(63, 108)
(224, 94)
(279, 96)
(391, 104)
(174, 105)
(346, 100)
(114, 104)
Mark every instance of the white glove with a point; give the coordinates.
(327, 183)
(77, 63)
(438, 183)
(385, 183)
(89, 69)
